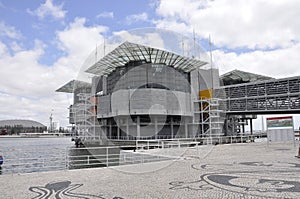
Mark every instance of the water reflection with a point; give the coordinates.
(26, 155)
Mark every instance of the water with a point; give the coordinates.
(23, 155)
(27, 155)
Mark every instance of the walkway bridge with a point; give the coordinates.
(243, 102)
(276, 96)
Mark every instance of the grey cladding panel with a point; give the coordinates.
(148, 76)
(146, 101)
(103, 107)
(97, 84)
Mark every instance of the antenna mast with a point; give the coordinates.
(211, 68)
(182, 43)
(51, 122)
(194, 39)
(103, 47)
(96, 54)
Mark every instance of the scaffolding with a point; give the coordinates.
(209, 117)
(85, 117)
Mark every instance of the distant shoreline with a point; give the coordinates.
(34, 136)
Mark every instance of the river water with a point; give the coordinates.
(23, 155)
(27, 155)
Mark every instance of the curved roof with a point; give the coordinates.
(24, 123)
(240, 77)
(127, 52)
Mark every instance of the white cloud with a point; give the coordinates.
(105, 15)
(9, 31)
(15, 46)
(27, 88)
(276, 63)
(173, 25)
(79, 40)
(49, 9)
(150, 39)
(267, 32)
(181, 9)
(18, 107)
(24, 72)
(252, 24)
(3, 49)
(137, 17)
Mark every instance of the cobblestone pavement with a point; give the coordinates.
(252, 170)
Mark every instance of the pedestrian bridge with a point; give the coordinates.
(275, 96)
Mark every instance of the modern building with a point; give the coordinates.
(142, 92)
(21, 126)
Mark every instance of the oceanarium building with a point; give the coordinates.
(142, 92)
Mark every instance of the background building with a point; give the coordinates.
(21, 126)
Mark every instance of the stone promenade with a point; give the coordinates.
(250, 170)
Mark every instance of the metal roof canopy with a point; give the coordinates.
(72, 85)
(128, 51)
(240, 77)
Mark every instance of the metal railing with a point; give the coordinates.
(78, 158)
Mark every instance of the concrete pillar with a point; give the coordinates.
(251, 127)
(172, 129)
(127, 128)
(227, 123)
(118, 129)
(110, 130)
(243, 126)
(155, 127)
(186, 127)
(138, 127)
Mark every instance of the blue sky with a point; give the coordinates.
(43, 43)
(30, 24)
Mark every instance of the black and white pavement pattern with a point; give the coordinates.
(249, 170)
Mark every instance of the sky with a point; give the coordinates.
(43, 43)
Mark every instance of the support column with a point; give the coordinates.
(138, 127)
(155, 127)
(251, 127)
(243, 126)
(110, 130)
(127, 128)
(227, 123)
(172, 129)
(118, 129)
(186, 127)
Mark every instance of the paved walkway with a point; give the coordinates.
(253, 170)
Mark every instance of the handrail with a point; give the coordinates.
(105, 156)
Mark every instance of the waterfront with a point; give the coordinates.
(32, 154)
(248, 170)
(29, 155)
